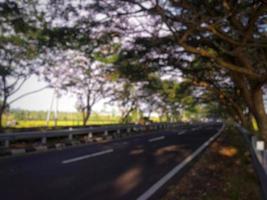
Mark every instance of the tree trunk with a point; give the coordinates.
(245, 119)
(238, 114)
(3, 107)
(86, 116)
(249, 121)
(85, 120)
(253, 97)
(83, 115)
(1, 120)
(259, 112)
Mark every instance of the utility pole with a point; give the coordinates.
(55, 98)
(56, 109)
(50, 109)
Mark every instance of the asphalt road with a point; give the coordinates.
(122, 169)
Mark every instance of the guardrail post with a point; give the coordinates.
(106, 133)
(259, 165)
(259, 150)
(7, 143)
(70, 137)
(44, 140)
(253, 142)
(90, 135)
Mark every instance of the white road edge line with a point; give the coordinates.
(87, 156)
(176, 169)
(156, 139)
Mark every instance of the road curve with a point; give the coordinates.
(123, 169)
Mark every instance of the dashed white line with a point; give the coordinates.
(176, 169)
(156, 139)
(181, 133)
(87, 156)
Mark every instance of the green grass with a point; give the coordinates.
(40, 123)
(65, 119)
(26, 119)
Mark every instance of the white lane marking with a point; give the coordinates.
(181, 133)
(176, 169)
(156, 139)
(87, 156)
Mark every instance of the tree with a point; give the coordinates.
(12, 79)
(18, 50)
(229, 35)
(143, 89)
(30, 30)
(89, 89)
(162, 36)
(73, 72)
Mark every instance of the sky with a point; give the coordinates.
(42, 100)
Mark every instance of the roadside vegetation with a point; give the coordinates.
(224, 171)
(166, 57)
(27, 119)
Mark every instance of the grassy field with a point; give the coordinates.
(35, 119)
(40, 123)
(27, 119)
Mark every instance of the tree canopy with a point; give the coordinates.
(163, 53)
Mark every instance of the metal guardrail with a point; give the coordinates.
(259, 157)
(6, 138)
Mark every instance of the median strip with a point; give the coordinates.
(156, 139)
(87, 156)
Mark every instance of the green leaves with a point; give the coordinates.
(105, 59)
(15, 39)
(5, 71)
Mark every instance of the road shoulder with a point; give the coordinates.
(224, 171)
